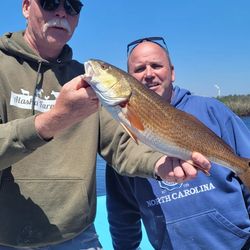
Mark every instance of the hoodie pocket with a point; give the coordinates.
(207, 230)
(41, 211)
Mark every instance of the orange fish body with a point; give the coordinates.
(154, 122)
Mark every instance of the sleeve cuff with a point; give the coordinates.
(27, 134)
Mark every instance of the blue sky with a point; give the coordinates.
(208, 40)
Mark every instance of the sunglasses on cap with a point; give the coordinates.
(155, 39)
(72, 7)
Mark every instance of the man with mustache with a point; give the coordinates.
(215, 209)
(50, 132)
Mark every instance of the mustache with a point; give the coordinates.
(59, 23)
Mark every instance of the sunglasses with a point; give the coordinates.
(72, 7)
(155, 39)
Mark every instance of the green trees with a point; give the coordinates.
(240, 104)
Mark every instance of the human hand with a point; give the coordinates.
(175, 170)
(75, 102)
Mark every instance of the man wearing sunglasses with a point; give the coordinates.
(44, 198)
(209, 212)
(50, 132)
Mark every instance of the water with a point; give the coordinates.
(101, 167)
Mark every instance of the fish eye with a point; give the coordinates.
(104, 66)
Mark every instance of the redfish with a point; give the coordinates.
(151, 120)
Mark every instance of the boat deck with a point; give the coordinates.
(102, 227)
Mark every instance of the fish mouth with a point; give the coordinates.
(89, 71)
(103, 94)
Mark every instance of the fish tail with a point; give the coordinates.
(245, 176)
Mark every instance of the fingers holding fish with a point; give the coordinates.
(187, 168)
(173, 170)
(178, 172)
(200, 162)
(75, 102)
(191, 167)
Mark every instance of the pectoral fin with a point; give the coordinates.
(132, 135)
(133, 118)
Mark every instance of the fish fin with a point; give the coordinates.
(132, 135)
(133, 118)
(245, 176)
(199, 167)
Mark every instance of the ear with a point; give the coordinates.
(26, 7)
(172, 73)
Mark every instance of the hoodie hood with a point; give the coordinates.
(180, 97)
(15, 44)
(23, 70)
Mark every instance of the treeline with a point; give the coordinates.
(240, 104)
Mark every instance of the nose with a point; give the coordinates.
(60, 11)
(149, 73)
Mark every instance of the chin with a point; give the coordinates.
(155, 89)
(57, 40)
(60, 37)
(158, 91)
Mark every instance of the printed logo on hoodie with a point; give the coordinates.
(184, 192)
(41, 103)
(169, 185)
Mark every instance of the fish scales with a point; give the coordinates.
(180, 128)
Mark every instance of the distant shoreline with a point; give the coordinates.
(239, 104)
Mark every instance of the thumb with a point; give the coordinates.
(82, 83)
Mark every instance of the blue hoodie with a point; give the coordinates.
(205, 213)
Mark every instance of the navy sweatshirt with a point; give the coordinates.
(209, 212)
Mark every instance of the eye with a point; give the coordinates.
(104, 66)
(139, 69)
(156, 66)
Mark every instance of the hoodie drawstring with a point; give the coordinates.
(35, 89)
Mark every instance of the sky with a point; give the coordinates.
(208, 40)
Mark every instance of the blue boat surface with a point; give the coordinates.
(102, 227)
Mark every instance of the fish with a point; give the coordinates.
(151, 120)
